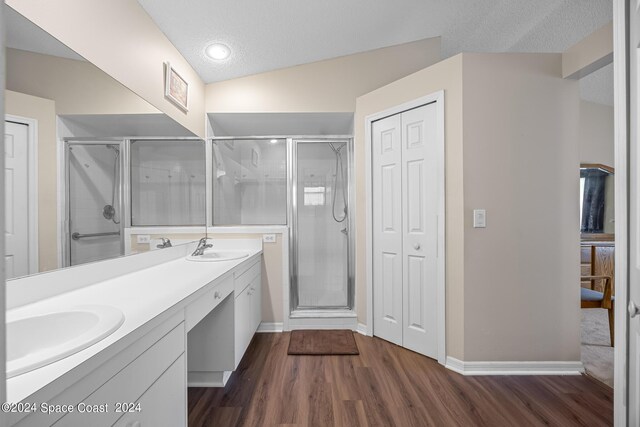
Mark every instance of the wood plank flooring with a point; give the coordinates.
(386, 385)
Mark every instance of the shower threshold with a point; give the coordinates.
(323, 313)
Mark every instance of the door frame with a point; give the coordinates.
(32, 173)
(292, 197)
(621, 144)
(438, 98)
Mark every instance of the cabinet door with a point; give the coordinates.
(242, 323)
(256, 304)
(164, 403)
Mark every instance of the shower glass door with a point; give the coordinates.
(94, 208)
(321, 241)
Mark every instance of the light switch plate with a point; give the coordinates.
(143, 238)
(479, 218)
(268, 238)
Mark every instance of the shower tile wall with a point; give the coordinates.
(91, 169)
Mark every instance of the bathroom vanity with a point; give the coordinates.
(184, 322)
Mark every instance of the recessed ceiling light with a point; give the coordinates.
(218, 51)
(274, 141)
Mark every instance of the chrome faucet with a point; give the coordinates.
(202, 245)
(166, 243)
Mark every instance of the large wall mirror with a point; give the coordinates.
(88, 162)
(597, 202)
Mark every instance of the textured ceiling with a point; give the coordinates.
(267, 34)
(270, 34)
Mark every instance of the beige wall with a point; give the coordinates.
(43, 110)
(122, 40)
(78, 87)
(447, 76)
(272, 274)
(521, 159)
(596, 133)
(511, 147)
(325, 86)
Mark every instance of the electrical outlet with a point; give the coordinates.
(268, 238)
(143, 238)
(479, 218)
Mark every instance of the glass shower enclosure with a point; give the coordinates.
(321, 243)
(94, 201)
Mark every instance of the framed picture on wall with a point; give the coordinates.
(176, 89)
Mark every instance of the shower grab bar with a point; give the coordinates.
(78, 236)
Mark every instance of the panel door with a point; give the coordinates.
(16, 177)
(420, 229)
(387, 228)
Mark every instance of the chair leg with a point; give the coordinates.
(611, 312)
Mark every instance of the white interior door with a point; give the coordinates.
(387, 228)
(405, 181)
(634, 221)
(420, 230)
(16, 177)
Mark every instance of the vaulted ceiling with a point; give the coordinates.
(266, 35)
(270, 34)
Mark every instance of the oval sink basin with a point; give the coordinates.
(36, 341)
(214, 256)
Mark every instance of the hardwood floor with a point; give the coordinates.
(387, 385)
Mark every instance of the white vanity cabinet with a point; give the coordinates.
(141, 378)
(248, 309)
(100, 398)
(216, 344)
(163, 404)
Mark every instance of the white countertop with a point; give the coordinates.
(142, 296)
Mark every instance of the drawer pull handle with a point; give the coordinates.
(216, 295)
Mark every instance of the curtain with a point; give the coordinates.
(593, 201)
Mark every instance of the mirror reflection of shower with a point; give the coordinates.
(109, 210)
(339, 185)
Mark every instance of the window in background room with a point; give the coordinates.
(167, 183)
(250, 182)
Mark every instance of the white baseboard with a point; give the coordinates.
(270, 327)
(208, 379)
(515, 368)
(361, 329)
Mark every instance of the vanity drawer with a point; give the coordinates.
(130, 383)
(163, 404)
(198, 309)
(243, 280)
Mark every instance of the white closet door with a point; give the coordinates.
(387, 229)
(16, 177)
(420, 229)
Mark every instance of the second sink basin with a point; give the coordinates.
(36, 341)
(218, 256)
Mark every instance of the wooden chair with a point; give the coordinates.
(590, 298)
